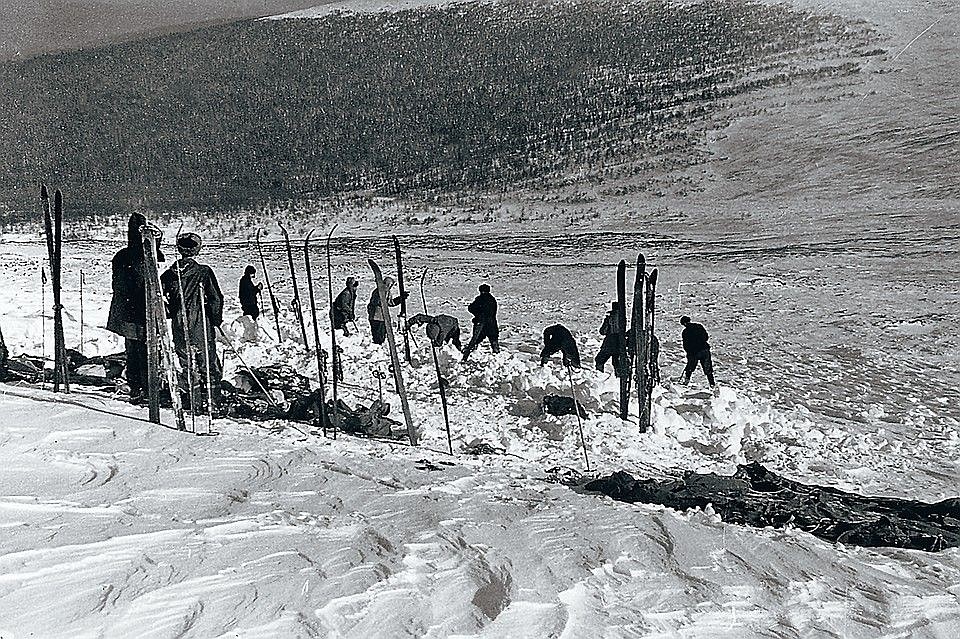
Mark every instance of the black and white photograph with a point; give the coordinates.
(482, 319)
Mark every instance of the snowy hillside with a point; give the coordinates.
(117, 527)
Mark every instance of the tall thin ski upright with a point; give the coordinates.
(441, 382)
(652, 352)
(403, 299)
(320, 410)
(266, 278)
(53, 229)
(638, 332)
(202, 291)
(297, 306)
(191, 365)
(394, 355)
(622, 371)
(162, 344)
(336, 364)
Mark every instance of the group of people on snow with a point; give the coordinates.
(195, 305)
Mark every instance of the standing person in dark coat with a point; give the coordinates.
(440, 328)
(558, 339)
(378, 326)
(484, 311)
(344, 307)
(128, 308)
(698, 350)
(200, 286)
(249, 304)
(249, 292)
(613, 336)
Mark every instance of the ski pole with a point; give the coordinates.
(81, 312)
(186, 340)
(206, 355)
(436, 365)
(576, 409)
(43, 326)
(266, 278)
(233, 349)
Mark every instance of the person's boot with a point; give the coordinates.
(495, 346)
(684, 380)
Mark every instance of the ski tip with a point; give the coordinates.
(58, 199)
(43, 192)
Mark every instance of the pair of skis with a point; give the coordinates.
(53, 229)
(636, 345)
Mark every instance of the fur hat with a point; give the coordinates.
(484, 288)
(188, 244)
(685, 320)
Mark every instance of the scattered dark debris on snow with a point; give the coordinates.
(755, 496)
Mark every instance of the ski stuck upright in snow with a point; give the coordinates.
(320, 411)
(336, 363)
(403, 300)
(53, 229)
(441, 382)
(297, 305)
(394, 354)
(159, 338)
(266, 278)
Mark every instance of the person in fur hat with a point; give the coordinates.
(199, 285)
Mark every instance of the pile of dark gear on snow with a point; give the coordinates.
(755, 496)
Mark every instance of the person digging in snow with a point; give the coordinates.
(441, 329)
(558, 339)
(695, 345)
(484, 311)
(613, 334)
(378, 328)
(200, 286)
(344, 306)
(128, 307)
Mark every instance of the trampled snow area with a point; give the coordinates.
(111, 526)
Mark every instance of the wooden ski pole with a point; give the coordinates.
(81, 311)
(43, 326)
(186, 337)
(256, 380)
(206, 354)
(436, 364)
(576, 410)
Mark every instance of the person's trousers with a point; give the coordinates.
(480, 333)
(136, 351)
(379, 331)
(704, 360)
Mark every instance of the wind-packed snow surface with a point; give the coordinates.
(114, 527)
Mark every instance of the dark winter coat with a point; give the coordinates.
(196, 279)
(440, 328)
(248, 296)
(694, 338)
(344, 307)
(374, 312)
(484, 311)
(128, 308)
(558, 339)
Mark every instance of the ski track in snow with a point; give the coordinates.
(112, 527)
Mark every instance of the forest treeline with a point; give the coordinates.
(469, 97)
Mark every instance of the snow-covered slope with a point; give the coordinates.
(110, 526)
